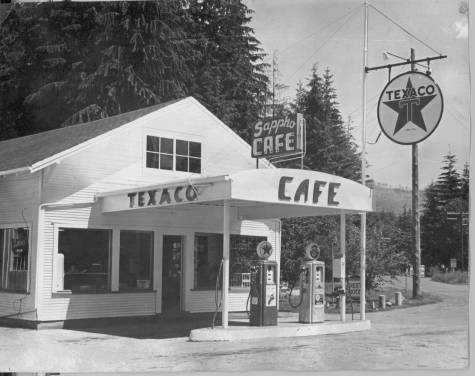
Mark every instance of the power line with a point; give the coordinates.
(319, 30)
(404, 29)
(321, 46)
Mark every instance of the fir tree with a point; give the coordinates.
(440, 237)
(64, 63)
(465, 183)
(230, 78)
(330, 148)
(449, 182)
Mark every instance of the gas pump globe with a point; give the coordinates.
(312, 288)
(264, 290)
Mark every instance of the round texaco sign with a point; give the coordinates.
(410, 108)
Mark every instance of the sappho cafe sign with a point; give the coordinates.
(410, 108)
(277, 136)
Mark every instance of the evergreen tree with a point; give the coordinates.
(330, 148)
(40, 47)
(449, 183)
(64, 63)
(440, 236)
(464, 183)
(230, 78)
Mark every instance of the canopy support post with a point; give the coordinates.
(363, 268)
(225, 284)
(343, 265)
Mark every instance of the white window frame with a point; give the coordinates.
(153, 255)
(56, 227)
(174, 136)
(29, 226)
(114, 256)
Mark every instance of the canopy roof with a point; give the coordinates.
(256, 194)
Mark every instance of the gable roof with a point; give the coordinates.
(23, 152)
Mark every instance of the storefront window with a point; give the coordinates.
(242, 256)
(14, 259)
(136, 250)
(86, 259)
(208, 255)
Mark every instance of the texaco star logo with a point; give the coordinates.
(410, 108)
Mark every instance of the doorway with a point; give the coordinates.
(172, 273)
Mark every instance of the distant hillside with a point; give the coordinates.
(388, 198)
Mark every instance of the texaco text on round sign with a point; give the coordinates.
(410, 108)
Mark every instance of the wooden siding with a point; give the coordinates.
(66, 306)
(19, 197)
(117, 162)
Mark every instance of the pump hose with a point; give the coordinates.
(301, 293)
(290, 297)
(218, 306)
(257, 293)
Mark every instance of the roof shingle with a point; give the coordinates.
(25, 151)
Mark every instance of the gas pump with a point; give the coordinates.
(312, 287)
(264, 291)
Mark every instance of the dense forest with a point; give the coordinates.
(70, 62)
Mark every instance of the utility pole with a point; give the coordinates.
(416, 226)
(416, 223)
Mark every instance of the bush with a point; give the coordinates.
(454, 277)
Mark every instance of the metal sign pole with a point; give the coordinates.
(363, 173)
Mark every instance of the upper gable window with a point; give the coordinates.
(169, 154)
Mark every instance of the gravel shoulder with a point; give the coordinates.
(433, 336)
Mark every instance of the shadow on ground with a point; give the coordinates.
(152, 327)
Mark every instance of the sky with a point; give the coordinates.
(329, 33)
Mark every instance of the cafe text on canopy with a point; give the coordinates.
(278, 136)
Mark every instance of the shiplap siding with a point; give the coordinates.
(117, 161)
(187, 223)
(19, 197)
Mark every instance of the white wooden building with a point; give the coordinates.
(132, 215)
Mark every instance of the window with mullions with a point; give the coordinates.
(169, 154)
(14, 259)
(160, 153)
(188, 156)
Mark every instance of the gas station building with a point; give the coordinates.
(135, 214)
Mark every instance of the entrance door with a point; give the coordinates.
(171, 280)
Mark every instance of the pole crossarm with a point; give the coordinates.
(407, 62)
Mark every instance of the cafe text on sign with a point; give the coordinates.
(309, 191)
(277, 136)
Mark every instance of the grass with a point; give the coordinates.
(455, 277)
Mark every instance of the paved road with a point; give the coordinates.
(430, 336)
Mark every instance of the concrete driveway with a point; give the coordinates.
(423, 337)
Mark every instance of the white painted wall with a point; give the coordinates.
(117, 162)
(60, 306)
(19, 197)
